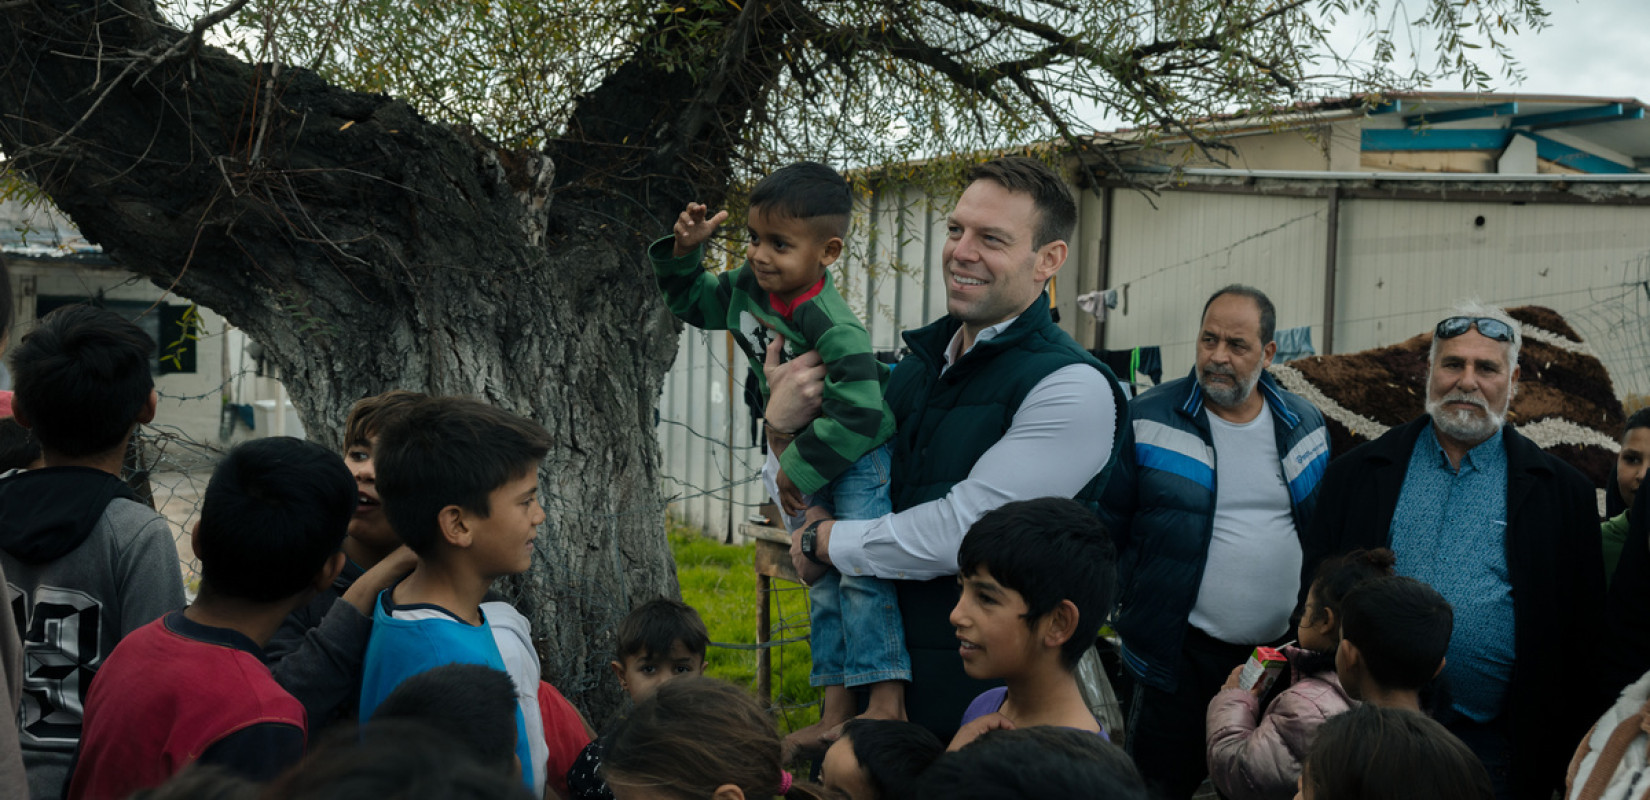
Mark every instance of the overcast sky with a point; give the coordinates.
(1594, 47)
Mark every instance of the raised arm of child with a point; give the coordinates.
(692, 228)
(696, 297)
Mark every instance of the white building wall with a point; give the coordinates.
(1167, 260)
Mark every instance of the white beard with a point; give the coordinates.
(1463, 424)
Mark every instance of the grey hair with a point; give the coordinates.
(1474, 308)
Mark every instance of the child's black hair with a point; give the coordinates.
(893, 753)
(1374, 753)
(1337, 576)
(1049, 549)
(1401, 628)
(807, 190)
(450, 451)
(1638, 419)
(18, 447)
(473, 703)
(81, 379)
(655, 627)
(274, 512)
(1034, 764)
(394, 758)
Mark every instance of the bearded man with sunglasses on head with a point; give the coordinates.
(1506, 532)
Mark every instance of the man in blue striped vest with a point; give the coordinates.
(1215, 484)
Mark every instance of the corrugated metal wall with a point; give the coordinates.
(1166, 261)
(1400, 263)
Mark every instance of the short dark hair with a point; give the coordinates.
(1049, 549)
(473, 703)
(1056, 209)
(1638, 419)
(445, 451)
(893, 753)
(275, 510)
(1337, 576)
(18, 447)
(370, 415)
(394, 758)
(82, 378)
(693, 735)
(657, 625)
(1033, 764)
(807, 190)
(1375, 753)
(1401, 628)
(1268, 312)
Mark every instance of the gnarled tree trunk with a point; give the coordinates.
(368, 249)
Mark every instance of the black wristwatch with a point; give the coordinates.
(810, 541)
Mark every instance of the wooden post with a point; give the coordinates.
(1331, 253)
(773, 560)
(764, 662)
(1107, 197)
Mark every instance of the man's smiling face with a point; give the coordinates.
(993, 268)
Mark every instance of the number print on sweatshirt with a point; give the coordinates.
(60, 654)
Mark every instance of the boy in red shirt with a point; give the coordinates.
(192, 685)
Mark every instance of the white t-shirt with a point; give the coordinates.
(1252, 573)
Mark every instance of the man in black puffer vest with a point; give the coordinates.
(994, 404)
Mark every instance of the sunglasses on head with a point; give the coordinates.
(1492, 328)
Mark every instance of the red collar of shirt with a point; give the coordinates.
(785, 309)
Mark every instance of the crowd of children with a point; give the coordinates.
(345, 640)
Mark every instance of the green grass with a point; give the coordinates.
(720, 582)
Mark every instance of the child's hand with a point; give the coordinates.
(994, 721)
(692, 229)
(789, 496)
(1234, 681)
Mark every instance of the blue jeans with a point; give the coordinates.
(855, 630)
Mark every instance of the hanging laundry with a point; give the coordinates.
(1097, 303)
(1294, 343)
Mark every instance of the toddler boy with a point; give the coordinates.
(192, 686)
(1394, 634)
(798, 218)
(459, 483)
(86, 561)
(1037, 580)
(660, 641)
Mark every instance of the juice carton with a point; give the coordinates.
(1264, 667)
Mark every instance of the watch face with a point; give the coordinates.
(808, 538)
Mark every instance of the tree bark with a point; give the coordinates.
(368, 249)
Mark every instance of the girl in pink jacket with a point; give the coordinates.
(1256, 756)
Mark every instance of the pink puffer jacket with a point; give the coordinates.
(1259, 759)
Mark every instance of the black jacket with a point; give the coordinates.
(1555, 565)
(1626, 657)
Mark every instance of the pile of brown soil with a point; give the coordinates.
(1565, 401)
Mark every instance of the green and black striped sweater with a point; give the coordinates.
(854, 419)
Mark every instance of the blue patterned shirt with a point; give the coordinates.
(1449, 530)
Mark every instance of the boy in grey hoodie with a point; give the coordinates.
(86, 562)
